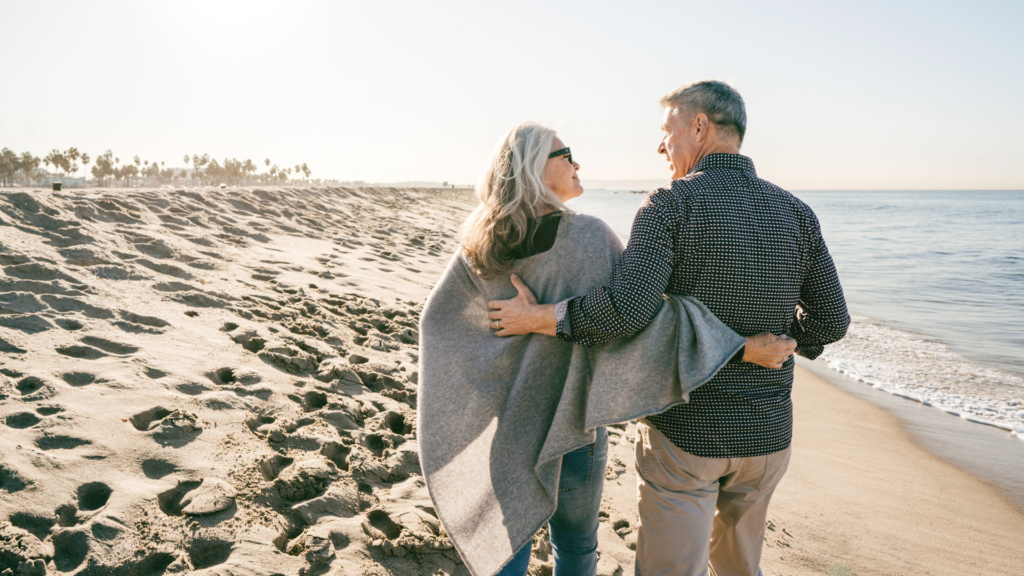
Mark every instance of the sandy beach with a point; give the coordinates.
(210, 381)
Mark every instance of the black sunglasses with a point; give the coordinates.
(562, 152)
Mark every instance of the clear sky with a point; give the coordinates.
(840, 95)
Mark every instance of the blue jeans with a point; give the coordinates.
(573, 528)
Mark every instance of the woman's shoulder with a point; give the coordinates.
(592, 230)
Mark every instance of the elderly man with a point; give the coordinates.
(754, 254)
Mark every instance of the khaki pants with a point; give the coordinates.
(678, 494)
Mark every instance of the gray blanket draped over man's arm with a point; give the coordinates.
(496, 414)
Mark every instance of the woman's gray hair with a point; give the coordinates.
(721, 102)
(511, 191)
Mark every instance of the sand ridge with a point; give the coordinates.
(217, 381)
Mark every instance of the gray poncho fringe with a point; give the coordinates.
(495, 414)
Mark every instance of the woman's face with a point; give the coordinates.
(560, 174)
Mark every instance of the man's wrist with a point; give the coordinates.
(563, 329)
(544, 319)
(738, 356)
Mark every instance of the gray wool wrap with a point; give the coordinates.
(495, 415)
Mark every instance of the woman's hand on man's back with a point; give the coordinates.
(768, 350)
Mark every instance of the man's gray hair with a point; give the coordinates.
(721, 102)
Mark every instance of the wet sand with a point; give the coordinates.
(861, 497)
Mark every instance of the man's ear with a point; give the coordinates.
(701, 125)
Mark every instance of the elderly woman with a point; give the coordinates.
(511, 429)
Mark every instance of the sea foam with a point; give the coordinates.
(906, 365)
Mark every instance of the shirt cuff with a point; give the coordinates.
(738, 357)
(563, 327)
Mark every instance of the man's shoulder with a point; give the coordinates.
(695, 187)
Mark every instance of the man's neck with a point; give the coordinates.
(718, 148)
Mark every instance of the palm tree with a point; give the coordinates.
(85, 164)
(72, 155)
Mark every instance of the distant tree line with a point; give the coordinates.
(25, 170)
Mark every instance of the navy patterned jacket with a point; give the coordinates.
(754, 254)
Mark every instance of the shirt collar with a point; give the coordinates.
(724, 162)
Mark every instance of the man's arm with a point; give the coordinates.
(608, 312)
(622, 308)
(821, 315)
(764, 349)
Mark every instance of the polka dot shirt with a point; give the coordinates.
(753, 254)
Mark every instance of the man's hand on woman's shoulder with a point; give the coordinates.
(768, 350)
(522, 314)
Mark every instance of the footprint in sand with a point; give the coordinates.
(29, 385)
(192, 388)
(156, 468)
(93, 496)
(167, 425)
(207, 553)
(109, 345)
(37, 271)
(155, 373)
(151, 321)
(8, 347)
(50, 409)
(78, 378)
(28, 323)
(10, 480)
(81, 352)
(197, 498)
(67, 304)
(155, 564)
(135, 328)
(22, 420)
(337, 453)
(60, 442)
(167, 269)
(310, 401)
(260, 424)
(138, 324)
(270, 468)
(39, 525)
(199, 300)
(33, 388)
(20, 303)
(382, 521)
(70, 547)
(69, 324)
(227, 376)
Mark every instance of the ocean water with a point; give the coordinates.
(935, 284)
